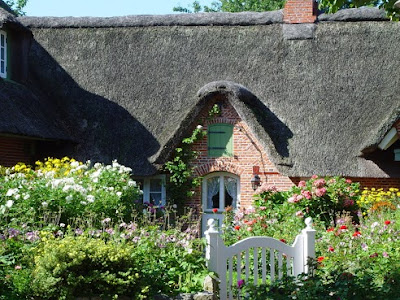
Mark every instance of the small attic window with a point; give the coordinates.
(220, 140)
(3, 54)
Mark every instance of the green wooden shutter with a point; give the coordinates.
(220, 140)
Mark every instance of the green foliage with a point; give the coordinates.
(182, 179)
(332, 6)
(233, 6)
(17, 6)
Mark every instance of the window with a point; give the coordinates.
(3, 54)
(153, 190)
(220, 140)
(219, 191)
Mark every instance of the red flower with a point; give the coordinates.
(343, 227)
(356, 234)
(237, 227)
(331, 249)
(283, 241)
(387, 222)
(330, 229)
(215, 210)
(320, 258)
(374, 255)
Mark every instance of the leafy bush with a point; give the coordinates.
(63, 235)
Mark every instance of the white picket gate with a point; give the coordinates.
(220, 258)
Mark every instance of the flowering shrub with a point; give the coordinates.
(324, 198)
(357, 254)
(64, 189)
(71, 229)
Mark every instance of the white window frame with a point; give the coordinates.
(3, 47)
(146, 188)
(221, 191)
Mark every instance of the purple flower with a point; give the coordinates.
(110, 231)
(240, 283)
(106, 221)
(78, 231)
(32, 236)
(12, 232)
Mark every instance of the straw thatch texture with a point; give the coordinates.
(131, 91)
(24, 113)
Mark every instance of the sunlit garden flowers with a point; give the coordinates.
(70, 229)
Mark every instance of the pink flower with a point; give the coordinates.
(299, 214)
(319, 183)
(263, 208)
(240, 283)
(320, 192)
(249, 229)
(348, 181)
(302, 183)
(17, 267)
(306, 194)
(331, 249)
(314, 176)
(348, 202)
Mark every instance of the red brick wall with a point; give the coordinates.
(300, 11)
(14, 150)
(247, 153)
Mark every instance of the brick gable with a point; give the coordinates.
(247, 153)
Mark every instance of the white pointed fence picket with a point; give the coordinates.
(220, 258)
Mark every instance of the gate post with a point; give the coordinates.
(308, 243)
(214, 256)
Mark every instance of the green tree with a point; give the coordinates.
(332, 6)
(233, 6)
(16, 6)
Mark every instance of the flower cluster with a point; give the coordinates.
(379, 199)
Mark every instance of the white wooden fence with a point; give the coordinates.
(222, 259)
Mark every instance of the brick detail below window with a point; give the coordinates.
(14, 150)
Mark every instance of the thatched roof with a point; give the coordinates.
(8, 18)
(315, 95)
(23, 113)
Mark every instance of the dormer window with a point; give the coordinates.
(3, 54)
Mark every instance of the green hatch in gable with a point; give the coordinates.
(220, 140)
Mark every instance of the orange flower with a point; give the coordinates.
(237, 227)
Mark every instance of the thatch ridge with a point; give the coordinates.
(198, 19)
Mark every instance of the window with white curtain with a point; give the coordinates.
(220, 190)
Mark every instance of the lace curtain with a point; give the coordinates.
(212, 190)
(231, 188)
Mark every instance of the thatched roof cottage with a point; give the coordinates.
(318, 95)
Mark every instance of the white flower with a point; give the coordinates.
(97, 165)
(131, 183)
(11, 192)
(69, 198)
(75, 164)
(26, 196)
(119, 194)
(373, 225)
(90, 198)
(17, 196)
(199, 127)
(45, 204)
(189, 250)
(62, 225)
(9, 203)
